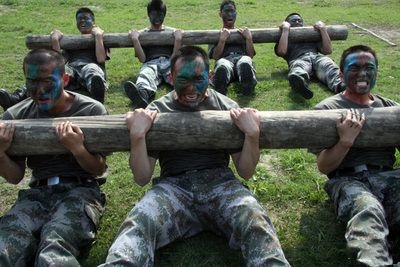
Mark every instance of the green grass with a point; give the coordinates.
(287, 182)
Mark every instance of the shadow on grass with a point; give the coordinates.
(322, 240)
(205, 249)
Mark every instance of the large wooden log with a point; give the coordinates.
(194, 37)
(210, 129)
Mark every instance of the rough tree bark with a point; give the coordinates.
(194, 37)
(210, 129)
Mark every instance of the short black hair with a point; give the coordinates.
(84, 10)
(226, 2)
(188, 53)
(42, 56)
(292, 14)
(157, 5)
(354, 49)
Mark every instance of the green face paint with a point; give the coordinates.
(192, 74)
(44, 90)
(360, 72)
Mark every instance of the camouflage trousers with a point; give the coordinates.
(370, 205)
(153, 73)
(325, 69)
(233, 64)
(50, 225)
(182, 206)
(82, 74)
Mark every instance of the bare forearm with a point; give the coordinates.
(218, 49)
(139, 51)
(283, 43)
(326, 42)
(92, 163)
(101, 54)
(329, 159)
(140, 163)
(249, 157)
(10, 170)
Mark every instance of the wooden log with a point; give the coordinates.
(210, 129)
(194, 37)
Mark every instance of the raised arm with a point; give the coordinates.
(56, 36)
(139, 122)
(177, 41)
(326, 48)
(139, 53)
(246, 33)
(219, 48)
(248, 121)
(72, 138)
(284, 39)
(348, 129)
(101, 54)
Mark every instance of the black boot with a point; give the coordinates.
(248, 82)
(140, 97)
(97, 89)
(7, 100)
(299, 85)
(221, 80)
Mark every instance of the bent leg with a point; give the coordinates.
(72, 226)
(246, 74)
(19, 229)
(149, 79)
(327, 71)
(246, 225)
(367, 230)
(161, 216)
(223, 74)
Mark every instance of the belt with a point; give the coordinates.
(63, 180)
(358, 169)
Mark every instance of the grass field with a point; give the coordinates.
(287, 182)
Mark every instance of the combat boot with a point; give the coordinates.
(97, 88)
(247, 80)
(140, 97)
(7, 100)
(299, 85)
(220, 80)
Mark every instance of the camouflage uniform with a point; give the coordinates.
(196, 191)
(365, 196)
(304, 61)
(190, 203)
(369, 202)
(235, 66)
(50, 225)
(156, 68)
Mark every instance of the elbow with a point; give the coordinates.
(246, 177)
(141, 181)
(246, 174)
(323, 170)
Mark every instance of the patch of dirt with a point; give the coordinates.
(392, 35)
(4, 9)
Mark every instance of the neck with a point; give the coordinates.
(361, 99)
(63, 103)
(228, 25)
(157, 27)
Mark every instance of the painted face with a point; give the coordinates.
(190, 81)
(156, 17)
(44, 84)
(84, 22)
(228, 14)
(360, 72)
(295, 21)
